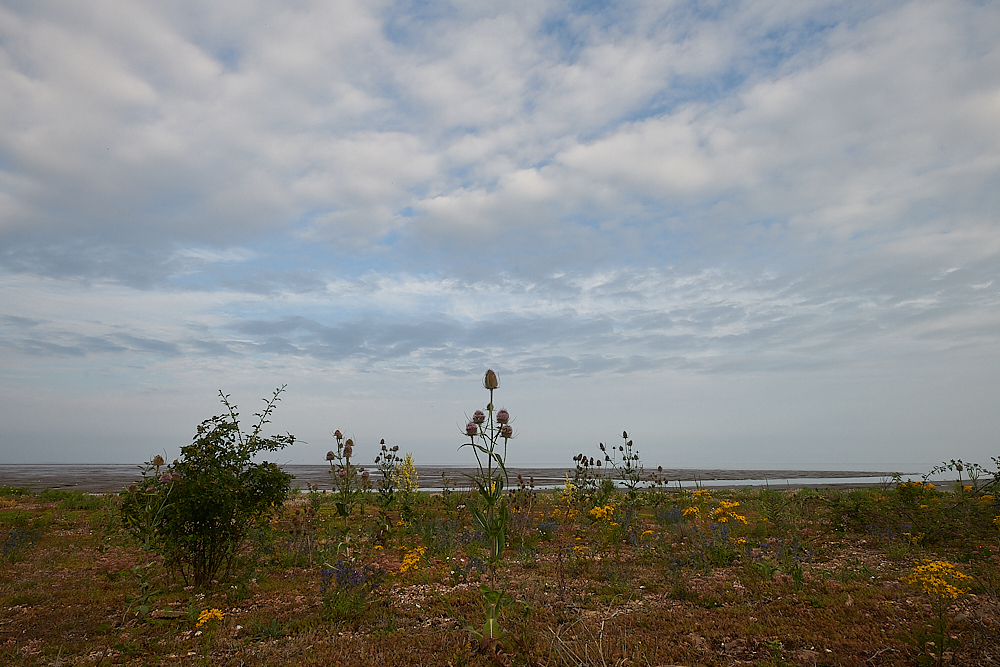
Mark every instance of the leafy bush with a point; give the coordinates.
(200, 510)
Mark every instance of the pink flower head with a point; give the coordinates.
(503, 416)
(364, 474)
(478, 417)
(342, 473)
(507, 431)
(166, 478)
(330, 456)
(471, 428)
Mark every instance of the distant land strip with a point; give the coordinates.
(96, 478)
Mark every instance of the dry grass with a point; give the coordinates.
(832, 597)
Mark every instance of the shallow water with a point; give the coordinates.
(96, 478)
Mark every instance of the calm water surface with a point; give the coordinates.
(95, 478)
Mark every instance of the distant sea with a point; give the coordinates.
(95, 478)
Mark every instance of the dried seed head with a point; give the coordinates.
(624, 434)
(382, 443)
(490, 381)
(337, 434)
(157, 460)
(503, 416)
(601, 445)
(598, 463)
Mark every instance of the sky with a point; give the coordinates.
(752, 234)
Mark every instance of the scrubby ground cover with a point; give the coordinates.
(662, 577)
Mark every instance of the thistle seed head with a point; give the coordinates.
(490, 381)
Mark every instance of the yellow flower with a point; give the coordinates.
(967, 489)
(411, 560)
(208, 615)
(938, 579)
(702, 494)
(602, 513)
(691, 511)
(378, 547)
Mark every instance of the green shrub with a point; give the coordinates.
(200, 510)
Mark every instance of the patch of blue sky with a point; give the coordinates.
(412, 22)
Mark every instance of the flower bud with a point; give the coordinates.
(624, 435)
(601, 445)
(382, 442)
(471, 428)
(478, 417)
(503, 416)
(157, 460)
(395, 448)
(337, 434)
(507, 431)
(330, 456)
(490, 381)
(598, 463)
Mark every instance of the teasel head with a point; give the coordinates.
(490, 381)
(478, 416)
(503, 416)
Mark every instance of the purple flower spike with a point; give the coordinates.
(503, 416)
(478, 417)
(471, 428)
(507, 430)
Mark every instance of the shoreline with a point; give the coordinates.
(93, 478)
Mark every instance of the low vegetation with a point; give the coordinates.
(590, 573)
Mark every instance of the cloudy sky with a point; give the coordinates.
(753, 234)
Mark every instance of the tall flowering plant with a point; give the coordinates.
(488, 434)
(350, 481)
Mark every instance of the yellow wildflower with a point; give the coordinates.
(411, 560)
(208, 615)
(938, 579)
